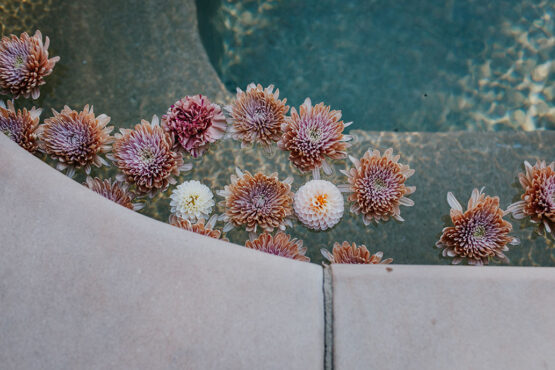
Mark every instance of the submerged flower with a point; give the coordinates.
(20, 125)
(378, 186)
(280, 245)
(200, 227)
(319, 204)
(538, 200)
(479, 233)
(312, 135)
(192, 200)
(195, 122)
(23, 64)
(257, 201)
(347, 253)
(114, 191)
(145, 157)
(76, 139)
(257, 115)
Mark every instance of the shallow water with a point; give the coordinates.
(405, 65)
(126, 57)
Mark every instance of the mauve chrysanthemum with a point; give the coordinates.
(319, 204)
(280, 245)
(479, 233)
(257, 115)
(257, 201)
(538, 200)
(312, 135)
(23, 64)
(377, 186)
(145, 157)
(200, 227)
(76, 139)
(192, 200)
(114, 191)
(194, 122)
(350, 253)
(21, 125)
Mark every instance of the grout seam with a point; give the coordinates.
(327, 287)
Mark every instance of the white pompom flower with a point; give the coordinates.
(192, 201)
(319, 204)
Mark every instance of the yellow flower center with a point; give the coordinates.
(320, 202)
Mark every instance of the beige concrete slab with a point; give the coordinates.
(85, 283)
(443, 317)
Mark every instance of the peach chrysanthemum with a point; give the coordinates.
(257, 201)
(377, 186)
(195, 122)
(145, 157)
(257, 115)
(21, 125)
(200, 227)
(312, 135)
(114, 191)
(76, 139)
(479, 233)
(23, 64)
(280, 245)
(538, 200)
(319, 204)
(350, 253)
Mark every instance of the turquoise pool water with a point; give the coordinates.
(431, 65)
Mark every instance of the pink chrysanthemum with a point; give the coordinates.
(479, 233)
(538, 200)
(21, 125)
(145, 157)
(114, 191)
(23, 64)
(347, 253)
(312, 135)
(199, 227)
(280, 245)
(319, 204)
(194, 122)
(257, 115)
(377, 186)
(76, 139)
(257, 201)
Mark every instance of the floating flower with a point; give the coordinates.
(312, 135)
(347, 253)
(538, 200)
(192, 200)
(21, 125)
(377, 186)
(194, 122)
(23, 64)
(280, 245)
(479, 233)
(114, 191)
(257, 115)
(145, 157)
(257, 201)
(319, 204)
(76, 139)
(200, 227)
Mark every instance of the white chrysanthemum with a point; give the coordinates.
(319, 204)
(192, 200)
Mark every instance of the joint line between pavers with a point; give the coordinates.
(327, 288)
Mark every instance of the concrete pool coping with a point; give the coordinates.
(85, 283)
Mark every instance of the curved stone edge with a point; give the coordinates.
(443, 317)
(86, 283)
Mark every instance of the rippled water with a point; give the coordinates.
(431, 65)
(435, 66)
